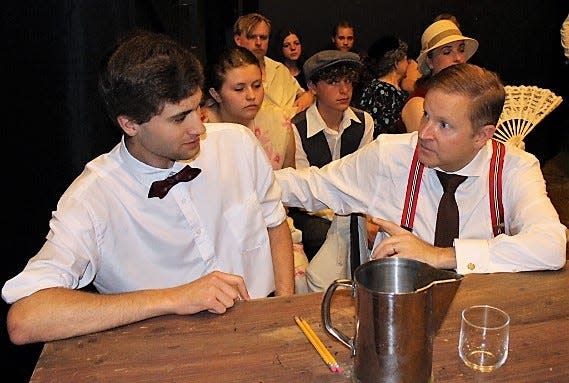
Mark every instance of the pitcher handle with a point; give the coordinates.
(347, 341)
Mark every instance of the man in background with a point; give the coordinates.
(252, 31)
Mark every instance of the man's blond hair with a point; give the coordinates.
(246, 23)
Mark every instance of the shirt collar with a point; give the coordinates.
(478, 166)
(145, 173)
(315, 123)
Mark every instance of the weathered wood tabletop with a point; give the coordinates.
(258, 341)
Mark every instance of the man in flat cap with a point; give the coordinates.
(328, 130)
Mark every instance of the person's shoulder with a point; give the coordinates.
(387, 87)
(354, 111)
(519, 165)
(273, 64)
(278, 68)
(104, 165)
(519, 158)
(368, 118)
(394, 151)
(91, 186)
(299, 117)
(420, 90)
(227, 132)
(399, 141)
(375, 83)
(225, 128)
(222, 126)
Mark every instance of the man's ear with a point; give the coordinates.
(311, 87)
(484, 134)
(237, 39)
(129, 127)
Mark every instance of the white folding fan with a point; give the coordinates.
(524, 108)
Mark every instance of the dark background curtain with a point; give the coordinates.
(54, 122)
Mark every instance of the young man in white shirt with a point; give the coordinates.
(328, 130)
(204, 236)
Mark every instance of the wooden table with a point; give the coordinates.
(258, 341)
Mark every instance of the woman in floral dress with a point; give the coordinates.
(380, 92)
(234, 93)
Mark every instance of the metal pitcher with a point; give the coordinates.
(400, 305)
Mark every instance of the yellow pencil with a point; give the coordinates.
(315, 344)
(326, 356)
(322, 346)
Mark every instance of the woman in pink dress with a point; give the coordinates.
(234, 93)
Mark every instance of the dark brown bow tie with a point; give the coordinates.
(160, 188)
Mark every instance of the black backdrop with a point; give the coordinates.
(53, 121)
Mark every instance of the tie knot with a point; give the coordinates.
(160, 188)
(450, 181)
(186, 174)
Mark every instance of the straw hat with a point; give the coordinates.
(438, 34)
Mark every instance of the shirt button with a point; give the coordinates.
(471, 266)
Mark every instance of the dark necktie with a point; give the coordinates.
(354, 243)
(160, 188)
(447, 215)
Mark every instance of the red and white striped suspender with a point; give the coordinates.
(494, 189)
(413, 185)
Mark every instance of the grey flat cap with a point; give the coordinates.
(324, 59)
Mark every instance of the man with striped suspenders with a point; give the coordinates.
(395, 180)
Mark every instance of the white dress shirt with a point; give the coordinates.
(107, 230)
(373, 180)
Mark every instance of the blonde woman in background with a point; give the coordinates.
(234, 93)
